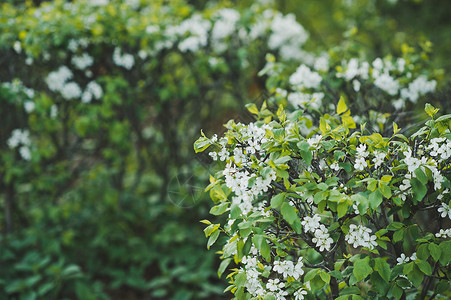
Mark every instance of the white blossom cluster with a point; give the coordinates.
(288, 36)
(420, 86)
(92, 90)
(443, 233)
(381, 72)
(197, 28)
(378, 159)
(321, 236)
(352, 69)
(402, 259)
(74, 45)
(288, 269)
(414, 163)
(273, 286)
(360, 161)
(83, 61)
(124, 60)
(440, 148)
(21, 138)
(360, 236)
(300, 99)
(17, 87)
(305, 78)
(225, 25)
(444, 210)
(238, 181)
(57, 81)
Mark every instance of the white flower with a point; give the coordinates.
(274, 285)
(19, 137)
(322, 238)
(413, 257)
(300, 100)
(334, 166)
(444, 210)
(83, 61)
(418, 87)
(93, 89)
(224, 27)
(17, 47)
(356, 85)
(29, 106)
(387, 83)
(311, 223)
(287, 35)
(56, 79)
(71, 90)
(304, 77)
(378, 158)
(25, 152)
(299, 294)
(443, 233)
(133, 3)
(197, 27)
(314, 140)
(213, 155)
(322, 62)
(123, 60)
(360, 236)
(403, 259)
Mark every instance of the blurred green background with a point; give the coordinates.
(101, 198)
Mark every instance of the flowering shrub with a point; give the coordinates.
(378, 90)
(336, 213)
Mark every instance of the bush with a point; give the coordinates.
(334, 214)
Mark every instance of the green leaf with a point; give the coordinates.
(341, 106)
(201, 144)
(379, 283)
(262, 245)
(362, 268)
(375, 199)
(277, 200)
(342, 209)
(219, 209)
(435, 251)
(416, 276)
(289, 213)
(235, 212)
(424, 266)
(212, 239)
(223, 266)
(442, 286)
(430, 110)
(240, 279)
(316, 283)
(252, 108)
(445, 248)
(423, 251)
(419, 174)
(383, 268)
(350, 290)
(307, 156)
(397, 292)
(418, 188)
(325, 277)
(393, 226)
